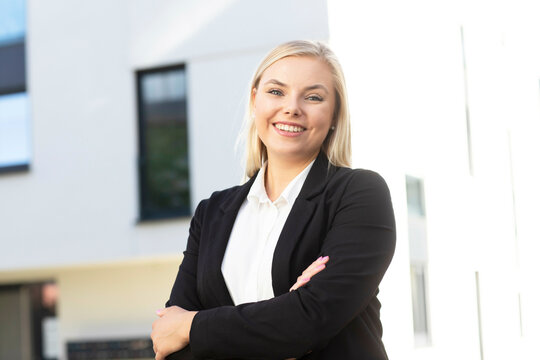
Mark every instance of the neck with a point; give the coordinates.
(279, 174)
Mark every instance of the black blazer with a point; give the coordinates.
(343, 213)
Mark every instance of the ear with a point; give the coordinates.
(253, 94)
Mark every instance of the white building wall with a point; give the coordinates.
(73, 216)
(79, 202)
(405, 73)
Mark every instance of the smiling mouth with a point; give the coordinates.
(289, 128)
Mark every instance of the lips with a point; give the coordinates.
(289, 128)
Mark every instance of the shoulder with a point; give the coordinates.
(221, 198)
(223, 195)
(351, 180)
(363, 195)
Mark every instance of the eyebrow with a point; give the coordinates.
(317, 86)
(274, 81)
(311, 87)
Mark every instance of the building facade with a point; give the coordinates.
(114, 129)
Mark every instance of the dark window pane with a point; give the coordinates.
(12, 68)
(164, 171)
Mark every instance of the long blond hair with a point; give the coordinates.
(337, 145)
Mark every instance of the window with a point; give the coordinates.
(14, 109)
(418, 257)
(163, 146)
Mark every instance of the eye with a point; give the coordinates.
(314, 98)
(275, 92)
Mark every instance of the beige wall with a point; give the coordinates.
(106, 301)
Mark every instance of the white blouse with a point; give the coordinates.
(247, 263)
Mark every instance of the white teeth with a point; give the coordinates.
(289, 128)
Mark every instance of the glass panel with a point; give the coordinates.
(417, 220)
(418, 285)
(415, 196)
(14, 130)
(12, 20)
(12, 68)
(164, 86)
(418, 258)
(164, 150)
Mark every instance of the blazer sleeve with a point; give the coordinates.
(184, 290)
(360, 243)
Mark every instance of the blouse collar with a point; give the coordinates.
(257, 194)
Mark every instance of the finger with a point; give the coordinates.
(316, 263)
(295, 286)
(315, 267)
(312, 265)
(315, 270)
(154, 345)
(300, 282)
(311, 271)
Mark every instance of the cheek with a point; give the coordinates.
(264, 112)
(261, 125)
(324, 117)
(264, 107)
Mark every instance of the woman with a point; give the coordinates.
(238, 293)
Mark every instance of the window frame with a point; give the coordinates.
(141, 147)
(16, 42)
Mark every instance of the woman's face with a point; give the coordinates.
(293, 107)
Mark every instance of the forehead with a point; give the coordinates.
(299, 70)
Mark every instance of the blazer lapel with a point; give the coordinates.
(222, 227)
(297, 220)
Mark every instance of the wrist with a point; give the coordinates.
(188, 321)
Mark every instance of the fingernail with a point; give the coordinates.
(320, 258)
(320, 267)
(325, 258)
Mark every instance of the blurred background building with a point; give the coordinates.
(116, 116)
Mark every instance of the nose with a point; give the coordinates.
(292, 107)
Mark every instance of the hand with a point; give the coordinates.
(170, 332)
(315, 267)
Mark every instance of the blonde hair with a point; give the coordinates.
(337, 145)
